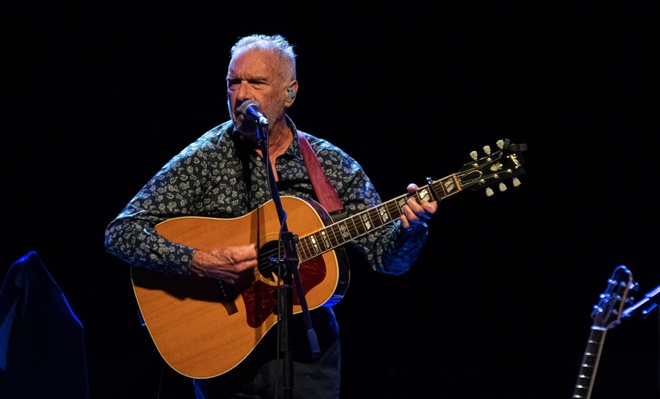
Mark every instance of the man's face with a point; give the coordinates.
(256, 75)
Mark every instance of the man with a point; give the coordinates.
(223, 175)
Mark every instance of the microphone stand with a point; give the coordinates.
(285, 290)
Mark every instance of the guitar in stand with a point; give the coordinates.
(606, 315)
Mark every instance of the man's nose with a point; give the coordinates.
(244, 92)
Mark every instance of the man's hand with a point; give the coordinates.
(229, 264)
(417, 212)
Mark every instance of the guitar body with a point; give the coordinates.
(201, 328)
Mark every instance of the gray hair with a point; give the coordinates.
(275, 42)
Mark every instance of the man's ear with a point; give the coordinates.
(291, 92)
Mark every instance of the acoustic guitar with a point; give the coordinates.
(204, 328)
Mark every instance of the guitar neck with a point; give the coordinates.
(356, 226)
(589, 365)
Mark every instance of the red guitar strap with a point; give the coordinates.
(324, 191)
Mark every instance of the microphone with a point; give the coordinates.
(651, 298)
(252, 109)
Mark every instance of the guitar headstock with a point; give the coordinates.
(607, 313)
(494, 167)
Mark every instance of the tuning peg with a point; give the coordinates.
(500, 144)
(474, 155)
(502, 187)
(489, 192)
(487, 149)
(516, 182)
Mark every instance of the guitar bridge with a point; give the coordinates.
(227, 297)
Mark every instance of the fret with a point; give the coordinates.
(366, 221)
(358, 224)
(423, 194)
(315, 245)
(439, 189)
(449, 186)
(338, 231)
(345, 230)
(374, 216)
(382, 215)
(387, 207)
(335, 234)
(304, 248)
(400, 203)
(353, 227)
(321, 241)
(325, 239)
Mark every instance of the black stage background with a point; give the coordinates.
(99, 97)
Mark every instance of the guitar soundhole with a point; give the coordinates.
(268, 257)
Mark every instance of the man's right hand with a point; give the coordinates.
(229, 264)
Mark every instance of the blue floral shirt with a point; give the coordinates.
(220, 176)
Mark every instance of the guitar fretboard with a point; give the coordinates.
(589, 364)
(356, 226)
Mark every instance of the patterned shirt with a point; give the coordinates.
(219, 175)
